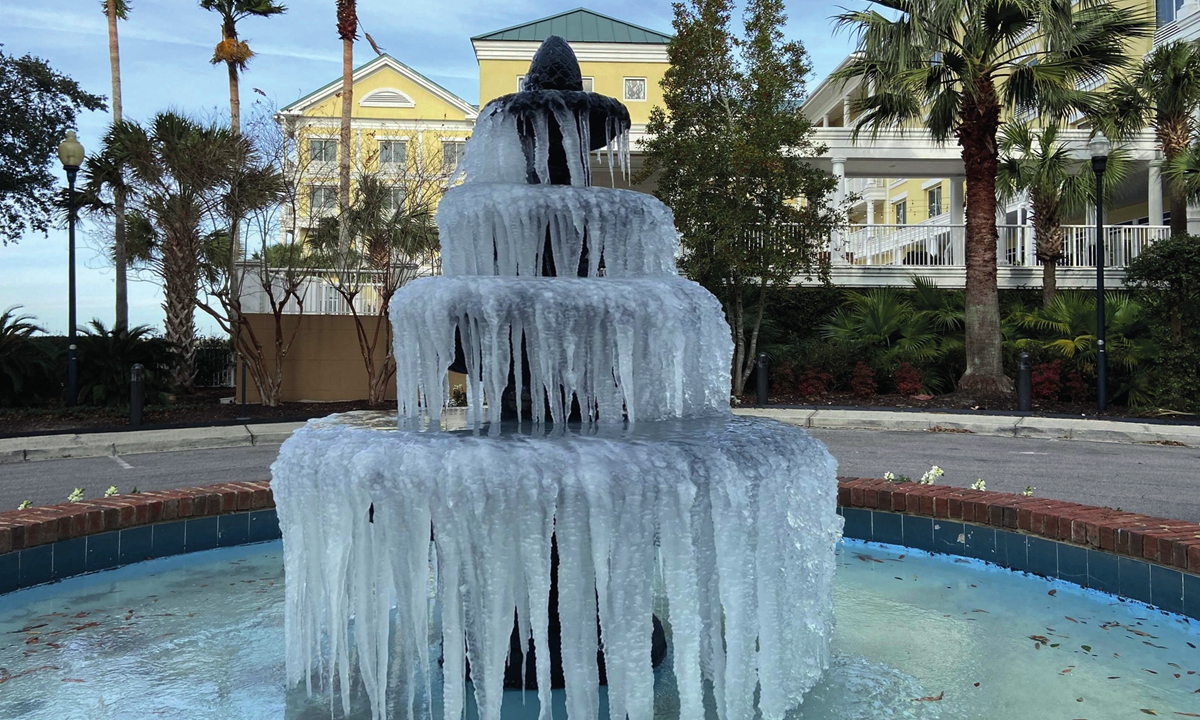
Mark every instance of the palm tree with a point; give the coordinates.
(1164, 94)
(233, 51)
(1034, 161)
(954, 66)
(175, 173)
(347, 27)
(118, 10)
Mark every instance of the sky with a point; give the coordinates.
(165, 50)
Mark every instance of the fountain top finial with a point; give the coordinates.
(554, 67)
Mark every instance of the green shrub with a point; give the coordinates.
(106, 358)
(26, 367)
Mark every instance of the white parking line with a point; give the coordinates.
(118, 460)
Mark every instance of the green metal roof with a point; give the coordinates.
(579, 25)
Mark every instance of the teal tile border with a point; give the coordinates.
(1166, 588)
(55, 561)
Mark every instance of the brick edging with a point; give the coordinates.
(1170, 543)
(23, 529)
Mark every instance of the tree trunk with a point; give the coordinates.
(750, 358)
(347, 30)
(180, 283)
(235, 100)
(1049, 282)
(977, 136)
(1174, 134)
(734, 315)
(120, 260)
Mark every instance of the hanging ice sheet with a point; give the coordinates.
(737, 516)
(648, 348)
(501, 229)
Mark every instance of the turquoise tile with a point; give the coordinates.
(1135, 579)
(949, 537)
(10, 571)
(264, 525)
(887, 527)
(167, 538)
(201, 534)
(1166, 588)
(233, 529)
(103, 551)
(858, 523)
(136, 544)
(1073, 564)
(1103, 572)
(70, 558)
(981, 543)
(918, 532)
(1191, 595)
(1016, 553)
(1042, 557)
(37, 565)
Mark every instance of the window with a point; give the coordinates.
(452, 152)
(934, 195)
(588, 83)
(901, 212)
(394, 200)
(322, 150)
(323, 198)
(635, 88)
(393, 154)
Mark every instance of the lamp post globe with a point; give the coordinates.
(71, 155)
(1099, 146)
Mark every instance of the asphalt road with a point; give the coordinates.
(1157, 480)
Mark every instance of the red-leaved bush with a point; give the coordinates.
(862, 382)
(1047, 380)
(908, 380)
(814, 383)
(1076, 387)
(783, 380)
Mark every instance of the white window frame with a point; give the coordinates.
(940, 207)
(457, 141)
(323, 141)
(625, 89)
(392, 190)
(330, 191)
(897, 207)
(392, 165)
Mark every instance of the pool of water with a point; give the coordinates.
(201, 636)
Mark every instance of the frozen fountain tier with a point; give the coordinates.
(651, 348)
(505, 229)
(724, 528)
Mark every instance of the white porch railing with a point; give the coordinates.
(319, 293)
(944, 245)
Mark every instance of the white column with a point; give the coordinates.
(837, 248)
(958, 235)
(1154, 199)
(870, 212)
(846, 112)
(825, 120)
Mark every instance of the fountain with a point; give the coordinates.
(613, 478)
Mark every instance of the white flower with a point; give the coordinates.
(889, 476)
(76, 495)
(932, 476)
(979, 485)
(1028, 492)
(112, 490)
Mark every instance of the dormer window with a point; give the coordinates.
(386, 97)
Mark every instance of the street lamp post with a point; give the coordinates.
(1099, 147)
(70, 153)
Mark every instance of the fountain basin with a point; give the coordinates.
(201, 635)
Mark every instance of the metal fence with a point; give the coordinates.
(216, 365)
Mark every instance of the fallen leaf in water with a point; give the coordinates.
(1114, 677)
(1052, 593)
(1086, 648)
(27, 628)
(978, 610)
(1064, 672)
(80, 615)
(32, 641)
(1135, 631)
(85, 626)
(1191, 645)
(931, 698)
(1186, 714)
(1070, 618)
(1160, 647)
(1174, 666)
(1149, 712)
(1152, 672)
(1040, 638)
(976, 684)
(73, 680)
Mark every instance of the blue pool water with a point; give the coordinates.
(201, 636)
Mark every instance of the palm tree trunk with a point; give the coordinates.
(1174, 134)
(179, 302)
(977, 136)
(119, 256)
(235, 100)
(348, 31)
(1049, 282)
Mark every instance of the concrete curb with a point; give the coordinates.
(55, 447)
(1001, 425)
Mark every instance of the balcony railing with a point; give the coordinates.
(318, 292)
(944, 245)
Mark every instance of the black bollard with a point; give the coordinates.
(137, 394)
(1024, 385)
(762, 378)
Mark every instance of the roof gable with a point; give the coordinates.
(374, 65)
(579, 25)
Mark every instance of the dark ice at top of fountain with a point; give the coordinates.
(554, 67)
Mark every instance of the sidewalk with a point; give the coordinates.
(50, 447)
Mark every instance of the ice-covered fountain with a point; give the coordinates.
(598, 431)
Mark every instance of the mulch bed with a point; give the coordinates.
(201, 408)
